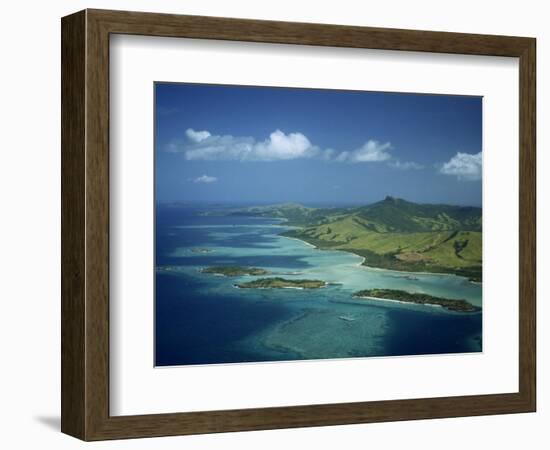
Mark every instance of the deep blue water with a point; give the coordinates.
(203, 319)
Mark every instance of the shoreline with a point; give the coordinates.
(362, 263)
(418, 298)
(378, 299)
(236, 286)
(304, 242)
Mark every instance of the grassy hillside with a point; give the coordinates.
(392, 234)
(401, 215)
(295, 214)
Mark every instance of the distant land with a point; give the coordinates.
(392, 234)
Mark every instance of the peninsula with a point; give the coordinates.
(392, 234)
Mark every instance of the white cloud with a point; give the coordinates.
(196, 136)
(202, 145)
(371, 151)
(279, 146)
(405, 165)
(205, 179)
(284, 146)
(463, 165)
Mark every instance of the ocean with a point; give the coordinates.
(204, 319)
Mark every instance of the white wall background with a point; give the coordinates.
(30, 223)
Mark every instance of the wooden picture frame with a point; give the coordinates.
(85, 224)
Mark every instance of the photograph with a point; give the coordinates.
(305, 224)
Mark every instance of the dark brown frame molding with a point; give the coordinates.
(85, 224)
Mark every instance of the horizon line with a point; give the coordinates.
(316, 202)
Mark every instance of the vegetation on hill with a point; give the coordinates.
(293, 213)
(281, 283)
(418, 298)
(391, 234)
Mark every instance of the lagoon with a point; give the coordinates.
(201, 318)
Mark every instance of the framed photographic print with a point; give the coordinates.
(270, 224)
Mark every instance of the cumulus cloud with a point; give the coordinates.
(284, 146)
(205, 179)
(279, 146)
(201, 145)
(196, 136)
(371, 151)
(465, 166)
(405, 165)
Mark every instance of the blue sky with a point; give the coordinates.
(265, 145)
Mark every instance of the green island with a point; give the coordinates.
(418, 298)
(392, 234)
(234, 271)
(281, 283)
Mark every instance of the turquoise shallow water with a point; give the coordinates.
(203, 318)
